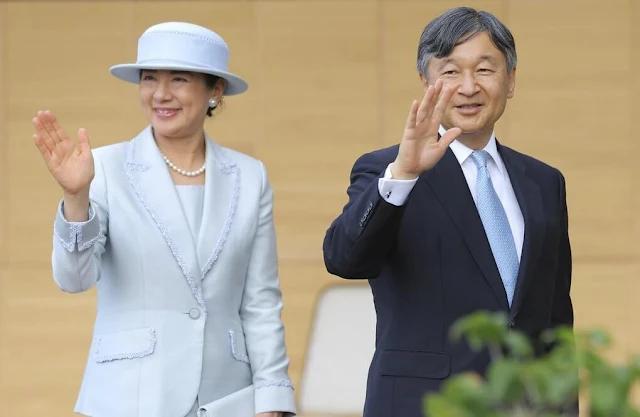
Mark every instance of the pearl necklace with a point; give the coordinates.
(182, 171)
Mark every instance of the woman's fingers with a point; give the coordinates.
(43, 133)
(44, 150)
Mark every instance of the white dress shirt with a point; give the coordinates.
(396, 191)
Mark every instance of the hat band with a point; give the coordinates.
(182, 48)
(168, 63)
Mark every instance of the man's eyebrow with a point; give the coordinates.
(486, 57)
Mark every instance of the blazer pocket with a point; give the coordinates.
(238, 346)
(415, 364)
(125, 344)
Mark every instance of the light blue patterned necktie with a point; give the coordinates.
(496, 225)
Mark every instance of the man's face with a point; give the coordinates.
(479, 72)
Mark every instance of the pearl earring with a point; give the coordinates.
(212, 102)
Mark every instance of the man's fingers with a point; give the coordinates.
(441, 106)
(411, 119)
(426, 106)
(427, 109)
(449, 136)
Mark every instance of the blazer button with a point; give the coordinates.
(194, 313)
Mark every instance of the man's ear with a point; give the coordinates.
(424, 82)
(512, 84)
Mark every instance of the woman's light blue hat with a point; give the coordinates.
(181, 46)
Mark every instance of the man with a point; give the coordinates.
(450, 221)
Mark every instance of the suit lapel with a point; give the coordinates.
(152, 183)
(222, 188)
(530, 201)
(448, 183)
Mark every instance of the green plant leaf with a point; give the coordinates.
(505, 385)
(518, 344)
(561, 387)
(563, 357)
(468, 390)
(536, 377)
(598, 338)
(605, 397)
(593, 362)
(439, 406)
(561, 335)
(635, 367)
(521, 385)
(624, 376)
(480, 329)
(630, 412)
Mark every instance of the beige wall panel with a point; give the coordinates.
(401, 24)
(601, 211)
(70, 48)
(566, 126)
(303, 215)
(604, 296)
(634, 315)
(572, 111)
(572, 107)
(318, 95)
(236, 124)
(3, 143)
(48, 334)
(634, 52)
(4, 341)
(304, 282)
(559, 43)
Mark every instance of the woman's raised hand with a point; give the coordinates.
(70, 162)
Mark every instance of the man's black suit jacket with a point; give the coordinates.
(429, 263)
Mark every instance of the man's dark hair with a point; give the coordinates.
(457, 25)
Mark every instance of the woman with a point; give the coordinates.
(177, 234)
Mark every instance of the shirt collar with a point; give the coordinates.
(462, 152)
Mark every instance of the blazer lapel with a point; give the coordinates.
(529, 198)
(152, 183)
(222, 188)
(448, 183)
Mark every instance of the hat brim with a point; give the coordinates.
(131, 73)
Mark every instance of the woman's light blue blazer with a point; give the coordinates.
(169, 306)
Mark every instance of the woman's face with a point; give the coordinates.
(175, 103)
